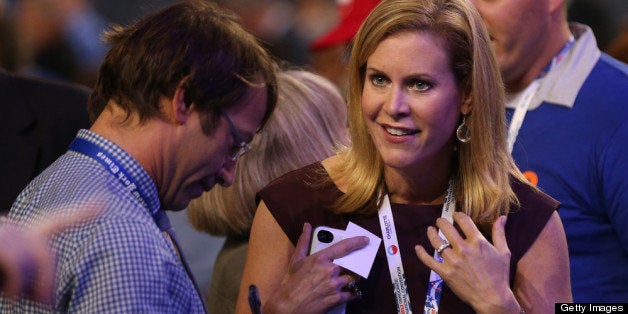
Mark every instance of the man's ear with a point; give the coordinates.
(180, 110)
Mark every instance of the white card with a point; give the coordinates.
(360, 261)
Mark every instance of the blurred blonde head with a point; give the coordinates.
(309, 123)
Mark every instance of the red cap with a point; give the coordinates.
(352, 14)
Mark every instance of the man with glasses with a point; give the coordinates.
(240, 147)
(178, 97)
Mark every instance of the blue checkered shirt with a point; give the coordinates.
(120, 262)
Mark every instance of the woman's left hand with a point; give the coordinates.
(473, 268)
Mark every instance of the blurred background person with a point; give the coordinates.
(39, 117)
(8, 40)
(59, 39)
(308, 124)
(39, 120)
(329, 53)
(568, 128)
(618, 47)
(274, 23)
(123, 12)
(603, 16)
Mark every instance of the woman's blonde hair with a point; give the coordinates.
(483, 165)
(309, 124)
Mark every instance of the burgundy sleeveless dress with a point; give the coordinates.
(298, 197)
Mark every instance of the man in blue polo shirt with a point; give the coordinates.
(568, 111)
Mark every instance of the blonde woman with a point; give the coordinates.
(309, 124)
(428, 157)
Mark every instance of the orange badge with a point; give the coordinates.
(532, 177)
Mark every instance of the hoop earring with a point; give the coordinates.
(463, 132)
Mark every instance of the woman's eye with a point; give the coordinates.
(378, 80)
(420, 85)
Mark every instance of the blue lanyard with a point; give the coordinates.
(558, 57)
(114, 166)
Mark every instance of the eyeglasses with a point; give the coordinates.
(242, 147)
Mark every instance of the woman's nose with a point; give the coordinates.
(396, 103)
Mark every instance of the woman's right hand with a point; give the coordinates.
(314, 284)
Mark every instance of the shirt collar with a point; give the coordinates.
(563, 82)
(140, 177)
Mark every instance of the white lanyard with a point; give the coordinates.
(520, 112)
(526, 98)
(393, 256)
